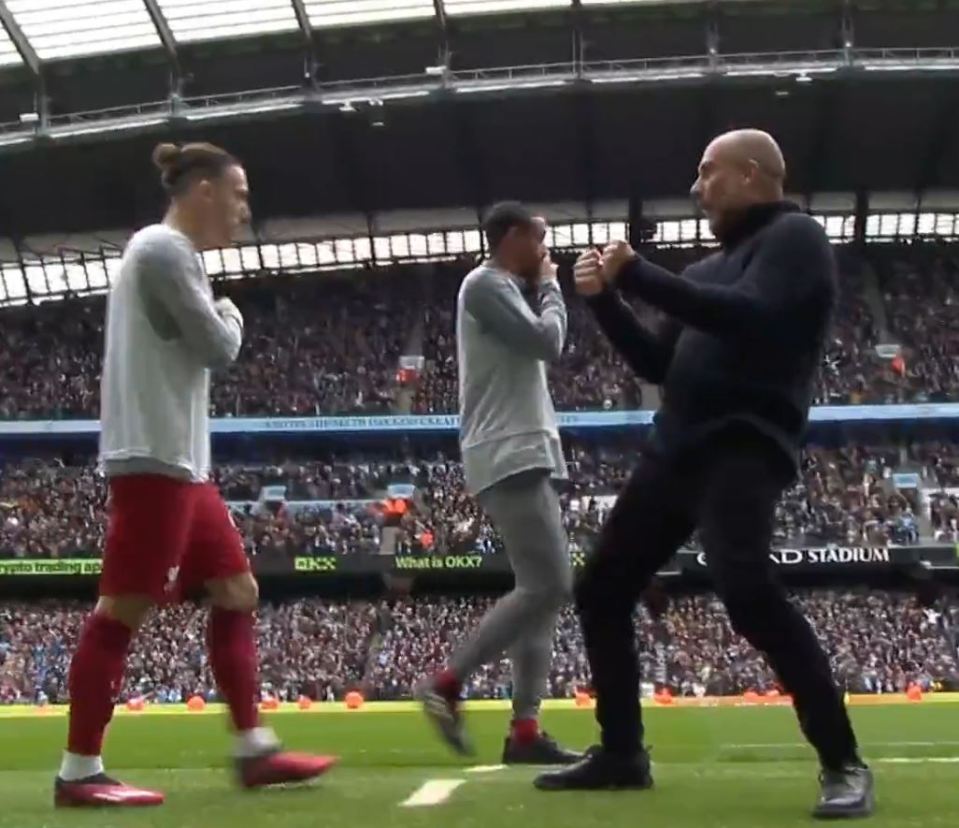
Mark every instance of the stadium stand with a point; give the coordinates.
(879, 642)
(332, 345)
(846, 495)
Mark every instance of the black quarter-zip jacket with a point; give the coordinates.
(743, 334)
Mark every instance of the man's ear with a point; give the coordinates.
(204, 189)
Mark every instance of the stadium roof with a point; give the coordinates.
(8, 52)
(55, 30)
(58, 29)
(375, 105)
(64, 28)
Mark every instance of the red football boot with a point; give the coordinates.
(102, 791)
(281, 767)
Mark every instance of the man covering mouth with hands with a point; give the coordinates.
(511, 321)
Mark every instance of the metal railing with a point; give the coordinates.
(260, 102)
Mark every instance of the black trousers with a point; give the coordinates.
(729, 492)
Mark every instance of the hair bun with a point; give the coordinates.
(181, 165)
(166, 155)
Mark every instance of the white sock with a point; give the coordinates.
(255, 741)
(74, 766)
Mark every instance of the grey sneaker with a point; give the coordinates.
(446, 715)
(846, 793)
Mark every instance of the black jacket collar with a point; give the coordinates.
(753, 219)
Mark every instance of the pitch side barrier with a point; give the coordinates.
(449, 423)
(806, 560)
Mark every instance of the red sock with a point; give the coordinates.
(232, 643)
(525, 731)
(95, 679)
(448, 684)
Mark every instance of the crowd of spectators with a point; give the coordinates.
(851, 372)
(50, 360)
(311, 346)
(845, 495)
(332, 344)
(312, 647)
(944, 517)
(437, 391)
(327, 346)
(589, 375)
(921, 296)
(940, 462)
(50, 510)
(878, 642)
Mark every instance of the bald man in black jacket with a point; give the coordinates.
(743, 333)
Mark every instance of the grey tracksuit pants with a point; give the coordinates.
(525, 510)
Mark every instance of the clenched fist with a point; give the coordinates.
(227, 310)
(547, 269)
(615, 256)
(588, 274)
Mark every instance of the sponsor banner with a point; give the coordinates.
(812, 559)
(293, 507)
(686, 561)
(412, 362)
(401, 491)
(460, 563)
(63, 566)
(320, 564)
(829, 557)
(449, 423)
(888, 351)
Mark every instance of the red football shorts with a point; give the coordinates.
(166, 538)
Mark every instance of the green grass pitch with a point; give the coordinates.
(714, 768)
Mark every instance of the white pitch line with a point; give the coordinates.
(792, 770)
(486, 768)
(758, 745)
(919, 760)
(432, 792)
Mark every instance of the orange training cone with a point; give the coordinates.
(270, 703)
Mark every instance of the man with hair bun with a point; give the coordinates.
(169, 534)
